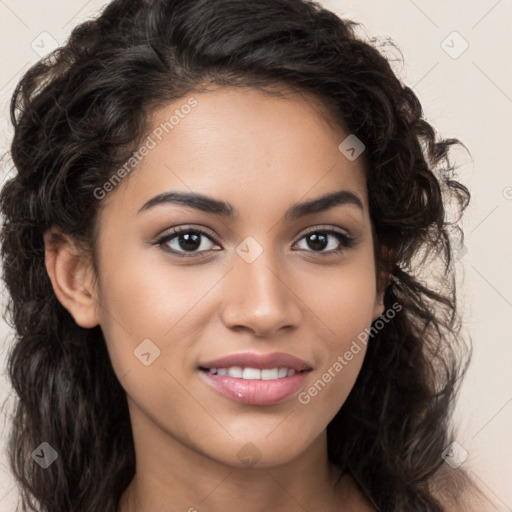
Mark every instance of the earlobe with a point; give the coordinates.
(379, 308)
(72, 278)
(382, 282)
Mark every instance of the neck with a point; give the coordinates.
(193, 482)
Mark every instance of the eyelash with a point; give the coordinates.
(346, 241)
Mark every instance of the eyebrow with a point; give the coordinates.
(218, 207)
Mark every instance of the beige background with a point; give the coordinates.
(465, 95)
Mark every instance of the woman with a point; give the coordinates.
(216, 246)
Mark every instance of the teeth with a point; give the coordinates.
(236, 371)
(270, 373)
(253, 373)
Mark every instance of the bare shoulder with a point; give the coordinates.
(458, 491)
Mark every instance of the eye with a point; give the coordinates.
(185, 240)
(193, 240)
(318, 240)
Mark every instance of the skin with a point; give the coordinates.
(261, 154)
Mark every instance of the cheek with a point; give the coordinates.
(154, 308)
(344, 301)
(345, 312)
(147, 294)
(148, 322)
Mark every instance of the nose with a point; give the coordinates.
(258, 297)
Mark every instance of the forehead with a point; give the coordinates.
(242, 145)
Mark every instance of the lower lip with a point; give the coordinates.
(255, 391)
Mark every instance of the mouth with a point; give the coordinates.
(255, 379)
(238, 372)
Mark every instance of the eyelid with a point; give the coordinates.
(327, 228)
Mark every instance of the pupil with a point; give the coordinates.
(189, 241)
(314, 243)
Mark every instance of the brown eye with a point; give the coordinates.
(321, 239)
(186, 240)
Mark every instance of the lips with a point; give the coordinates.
(256, 379)
(259, 361)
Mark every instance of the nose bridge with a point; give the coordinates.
(258, 296)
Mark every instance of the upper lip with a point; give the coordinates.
(259, 361)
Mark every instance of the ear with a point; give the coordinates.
(72, 277)
(382, 283)
(378, 307)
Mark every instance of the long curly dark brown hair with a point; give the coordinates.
(81, 112)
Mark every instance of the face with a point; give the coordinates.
(253, 276)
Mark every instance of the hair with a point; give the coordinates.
(80, 113)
